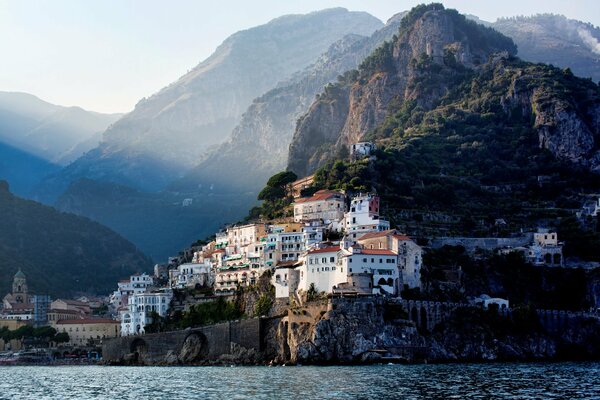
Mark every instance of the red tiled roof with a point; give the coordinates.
(319, 196)
(389, 232)
(287, 264)
(65, 311)
(330, 249)
(372, 235)
(402, 237)
(21, 306)
(86, 321)
(377, 252)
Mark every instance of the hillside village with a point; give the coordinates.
(335, 244)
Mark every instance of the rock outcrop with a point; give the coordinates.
(258, 147)
(346, 111)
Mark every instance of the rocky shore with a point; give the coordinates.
(368, 330)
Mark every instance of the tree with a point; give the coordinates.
(62, 337)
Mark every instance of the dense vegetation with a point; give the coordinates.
(451, 274)
(469, 156)
(60, 253)
(43, 333)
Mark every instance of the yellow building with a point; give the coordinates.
(83, 331)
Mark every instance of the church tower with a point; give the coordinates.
(19, 288)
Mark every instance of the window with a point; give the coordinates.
(380, 260)
(364, 260)
(331, 259)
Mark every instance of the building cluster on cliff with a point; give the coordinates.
(334, 244)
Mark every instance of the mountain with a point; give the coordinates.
(160, 224)
(390, 76)
(556, 40)
(470, 139)
(167, 133)
(259, 143)
(49, 131)
(23, 170)
(61, 253)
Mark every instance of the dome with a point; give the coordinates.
(20, 274)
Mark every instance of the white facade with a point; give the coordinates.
(325, 205)
(137, 283)
(140, 308)
(362, 149)
(381, 263)
(320, 267)
(363, 217)
(281, 281)
(190, 275)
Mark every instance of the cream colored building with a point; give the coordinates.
(239, 238)
(326, 205)
(83, 331)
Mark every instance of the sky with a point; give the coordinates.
(105, 55)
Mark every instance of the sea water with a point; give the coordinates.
(448, 381)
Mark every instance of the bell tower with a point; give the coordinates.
(19, 287)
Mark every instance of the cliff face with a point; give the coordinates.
(259, 144)
(567, 121)
(167, 133)
(367, 331)
(357, 104)
(556, 40)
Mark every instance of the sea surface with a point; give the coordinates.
(458, 381)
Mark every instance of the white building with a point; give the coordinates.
(381, 263)
(137, 283)
(284, 279)
(326, 205)
(410, 254)
(140, 308)
(361, 149)
(191, 275)
(321, 268)
(363, 217)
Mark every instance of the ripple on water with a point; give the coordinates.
(411, 382)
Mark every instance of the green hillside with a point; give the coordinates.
(61, 253)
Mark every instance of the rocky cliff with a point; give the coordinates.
(351, 331)
(167, 132)
(259, 144)
(424, 75)
(556, 40)
(346, 111)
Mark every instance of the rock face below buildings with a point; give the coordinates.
(363, 331)
(369, 331)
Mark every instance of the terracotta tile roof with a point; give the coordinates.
(402, 237)
(377, 252)
(87, 321)
(288, 264)
(389, 232)
(373, 235)
(319, 196)
(21, 306)
(65, 311)
(330, 249)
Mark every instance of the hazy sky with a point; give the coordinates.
(105, 55)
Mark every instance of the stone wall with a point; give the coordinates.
(204, 345)
(472, 244)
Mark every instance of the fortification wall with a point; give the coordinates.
(199, 345)
(472, 244)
